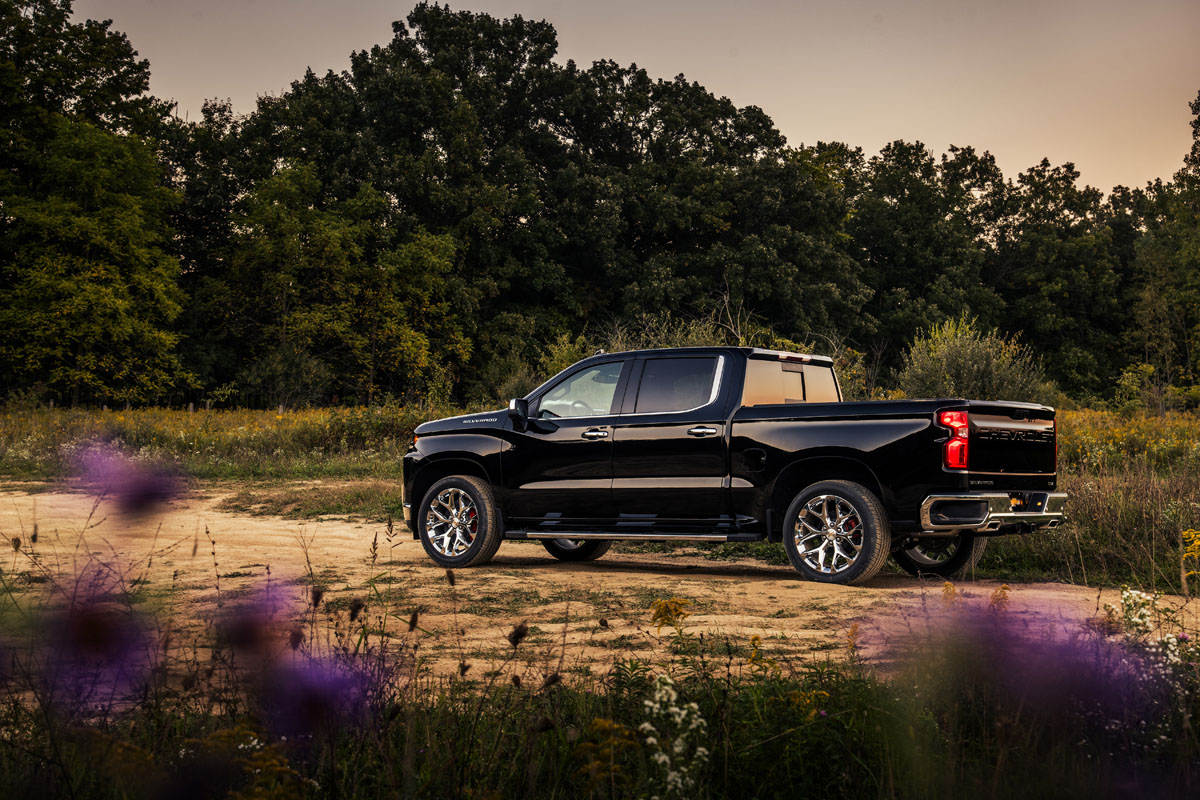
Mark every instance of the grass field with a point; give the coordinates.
(42, 444)
(111, 686)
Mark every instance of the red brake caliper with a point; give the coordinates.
(474, 524)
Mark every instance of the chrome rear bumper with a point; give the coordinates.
(987, 511)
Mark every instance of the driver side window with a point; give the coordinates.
(588, 393)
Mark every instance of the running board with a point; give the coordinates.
(641, 537)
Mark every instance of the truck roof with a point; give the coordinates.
(748, 352)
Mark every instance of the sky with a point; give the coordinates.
(1102, 83)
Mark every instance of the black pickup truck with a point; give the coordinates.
(733, 444)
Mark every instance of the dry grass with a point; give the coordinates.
(372, 499)
(39, 443)
(1099, 441)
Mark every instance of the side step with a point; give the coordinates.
(641, 537)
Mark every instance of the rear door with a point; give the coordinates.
(669, 448)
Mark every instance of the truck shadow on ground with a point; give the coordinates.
(626, 565)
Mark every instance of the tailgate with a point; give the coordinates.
(1012, 438)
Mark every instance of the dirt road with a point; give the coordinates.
(191, 555)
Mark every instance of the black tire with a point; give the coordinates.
(864, 527)
(576, 549)
(451, 548)
(952, 558)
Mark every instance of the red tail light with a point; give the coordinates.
(956, 449)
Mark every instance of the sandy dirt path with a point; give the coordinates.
(583, 616)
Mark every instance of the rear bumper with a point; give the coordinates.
(992, 511)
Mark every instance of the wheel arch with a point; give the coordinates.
(434, 471)
(805, 472)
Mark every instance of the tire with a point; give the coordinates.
(837, 532)
(458, 523)
(953, 558)
(577, 550)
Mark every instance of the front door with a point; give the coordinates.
(558, 471)
(669, 451)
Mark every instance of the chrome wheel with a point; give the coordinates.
(577, 549)
(569, 544)
(452, 522)
(933, 552)
(828, 534)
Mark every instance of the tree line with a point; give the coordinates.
(441, 217)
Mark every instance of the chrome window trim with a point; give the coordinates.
(712, 396)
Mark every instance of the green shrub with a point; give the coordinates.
(957, 359)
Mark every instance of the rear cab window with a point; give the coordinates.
(772, 382)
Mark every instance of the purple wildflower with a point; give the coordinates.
(97, 654)
(137, 489)
(254, 630)
(306, 697)
(1075, 683)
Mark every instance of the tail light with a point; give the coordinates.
(957, 447)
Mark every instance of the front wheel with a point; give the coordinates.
(837, 532)
(951, 557)
(577, 549)
(458, 523)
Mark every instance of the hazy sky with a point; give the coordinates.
(1103, 83)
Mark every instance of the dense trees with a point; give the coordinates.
(88, 290)
(457, 206)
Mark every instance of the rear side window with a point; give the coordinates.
(772, 383)
(819, 385)
(676, 384)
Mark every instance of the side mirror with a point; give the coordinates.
(518, 409)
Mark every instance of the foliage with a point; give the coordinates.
(51, 66)
(670, 611)
(956, 359)
(337, 311)
(1100, 442)
(87, 290)
(458, 213)
(1055, 269)
(921, 225)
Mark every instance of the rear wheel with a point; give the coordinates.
(577, 549)
(837, 532)
(952, 557)
(458, 523)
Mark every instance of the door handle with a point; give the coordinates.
(701, 430)
(594, 433)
